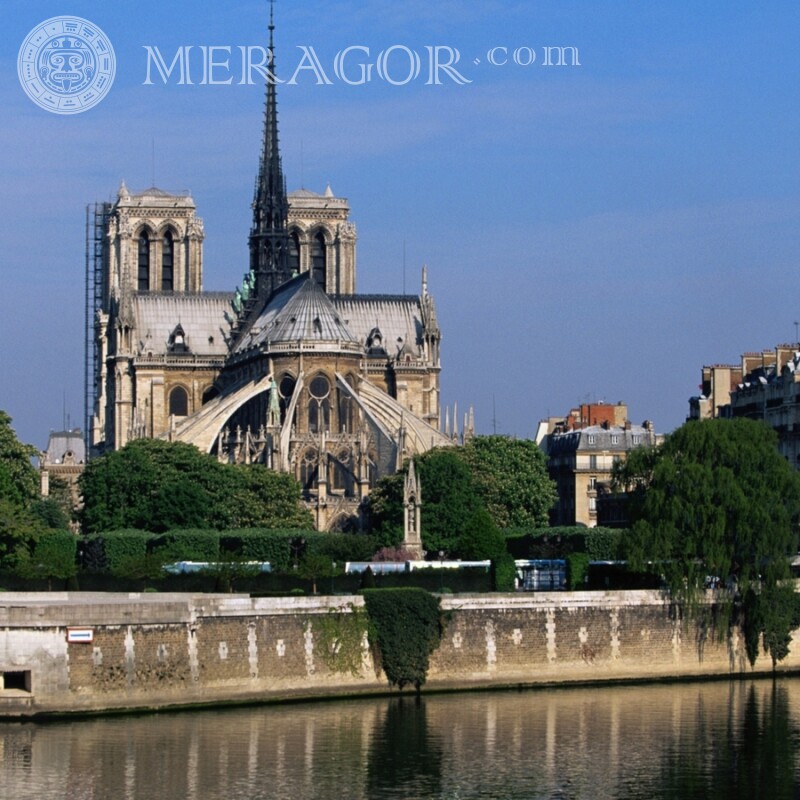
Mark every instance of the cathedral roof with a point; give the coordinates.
(298, 311)
(399, 318)
(203, 318)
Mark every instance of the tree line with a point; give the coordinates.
(715, 505)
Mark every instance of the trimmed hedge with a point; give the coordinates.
(262, 544)
(600, 544)
(186, 545)
(114, 550)
(110, 552)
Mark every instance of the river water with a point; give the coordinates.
(703, 740)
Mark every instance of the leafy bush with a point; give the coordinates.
(577, 570)
(480, 538)
(341, 547)
(504, 573)
(600, 544)
(405, 628)
(546, 542)
(52, 556)
(603, 544)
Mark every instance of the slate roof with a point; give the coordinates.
(61, 443)
(598, 438)
(399, 317)
(202, 317)
(298, 311)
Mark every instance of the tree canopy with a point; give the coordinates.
(449, 499)
(716, 498)
(157, 486)
(510, 476)
(492, 482)
(19, 481)
(23, 516)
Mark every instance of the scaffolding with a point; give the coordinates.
(97, 215)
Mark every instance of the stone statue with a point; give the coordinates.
(274, 409)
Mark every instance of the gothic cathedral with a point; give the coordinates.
(293, 371)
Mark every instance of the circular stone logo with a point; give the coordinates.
(66, 65)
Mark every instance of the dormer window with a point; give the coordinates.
(375, 341)
(177, 341)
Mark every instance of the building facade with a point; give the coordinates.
(764, 386)
(293, 370)
(582, 449)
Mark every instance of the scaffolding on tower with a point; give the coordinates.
(97, 215)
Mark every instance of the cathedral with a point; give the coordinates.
(294, 370)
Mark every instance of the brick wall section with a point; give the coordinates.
(167, 650)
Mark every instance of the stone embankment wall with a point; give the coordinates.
(151, 651)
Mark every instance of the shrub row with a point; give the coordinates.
(599, 544)
(116, 551)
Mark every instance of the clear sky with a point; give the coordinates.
(592, 232)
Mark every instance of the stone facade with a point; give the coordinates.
(764, 386)
(181, 650)
(293, 369)
(581, 450)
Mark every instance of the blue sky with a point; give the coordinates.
(592, 232)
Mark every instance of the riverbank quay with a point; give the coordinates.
(66, 653)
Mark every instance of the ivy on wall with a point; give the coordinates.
(340, 635)
(405, 627)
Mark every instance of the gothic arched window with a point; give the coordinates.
(308, 471)
(143, 273)
(294, 254)
(179, 402)
(167, 262)
(318, 259)
(319, 406)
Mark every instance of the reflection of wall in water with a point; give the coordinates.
(599, 742)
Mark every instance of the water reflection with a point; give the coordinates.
(685, 741)
(754, 753)
(405, 754)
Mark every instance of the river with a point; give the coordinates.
(698, 740)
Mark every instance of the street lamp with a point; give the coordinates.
(441, 571)
(333, 570)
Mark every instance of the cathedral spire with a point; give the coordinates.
(269, 237)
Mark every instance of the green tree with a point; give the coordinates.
(480, 538)
(266, 499)
(157, 486)
(18, 529)
(716, 498)
(510, 476)
(449, 500)
(50, 513)
(52, 555)
(19, 480)
(314, 566)
(19, 490)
